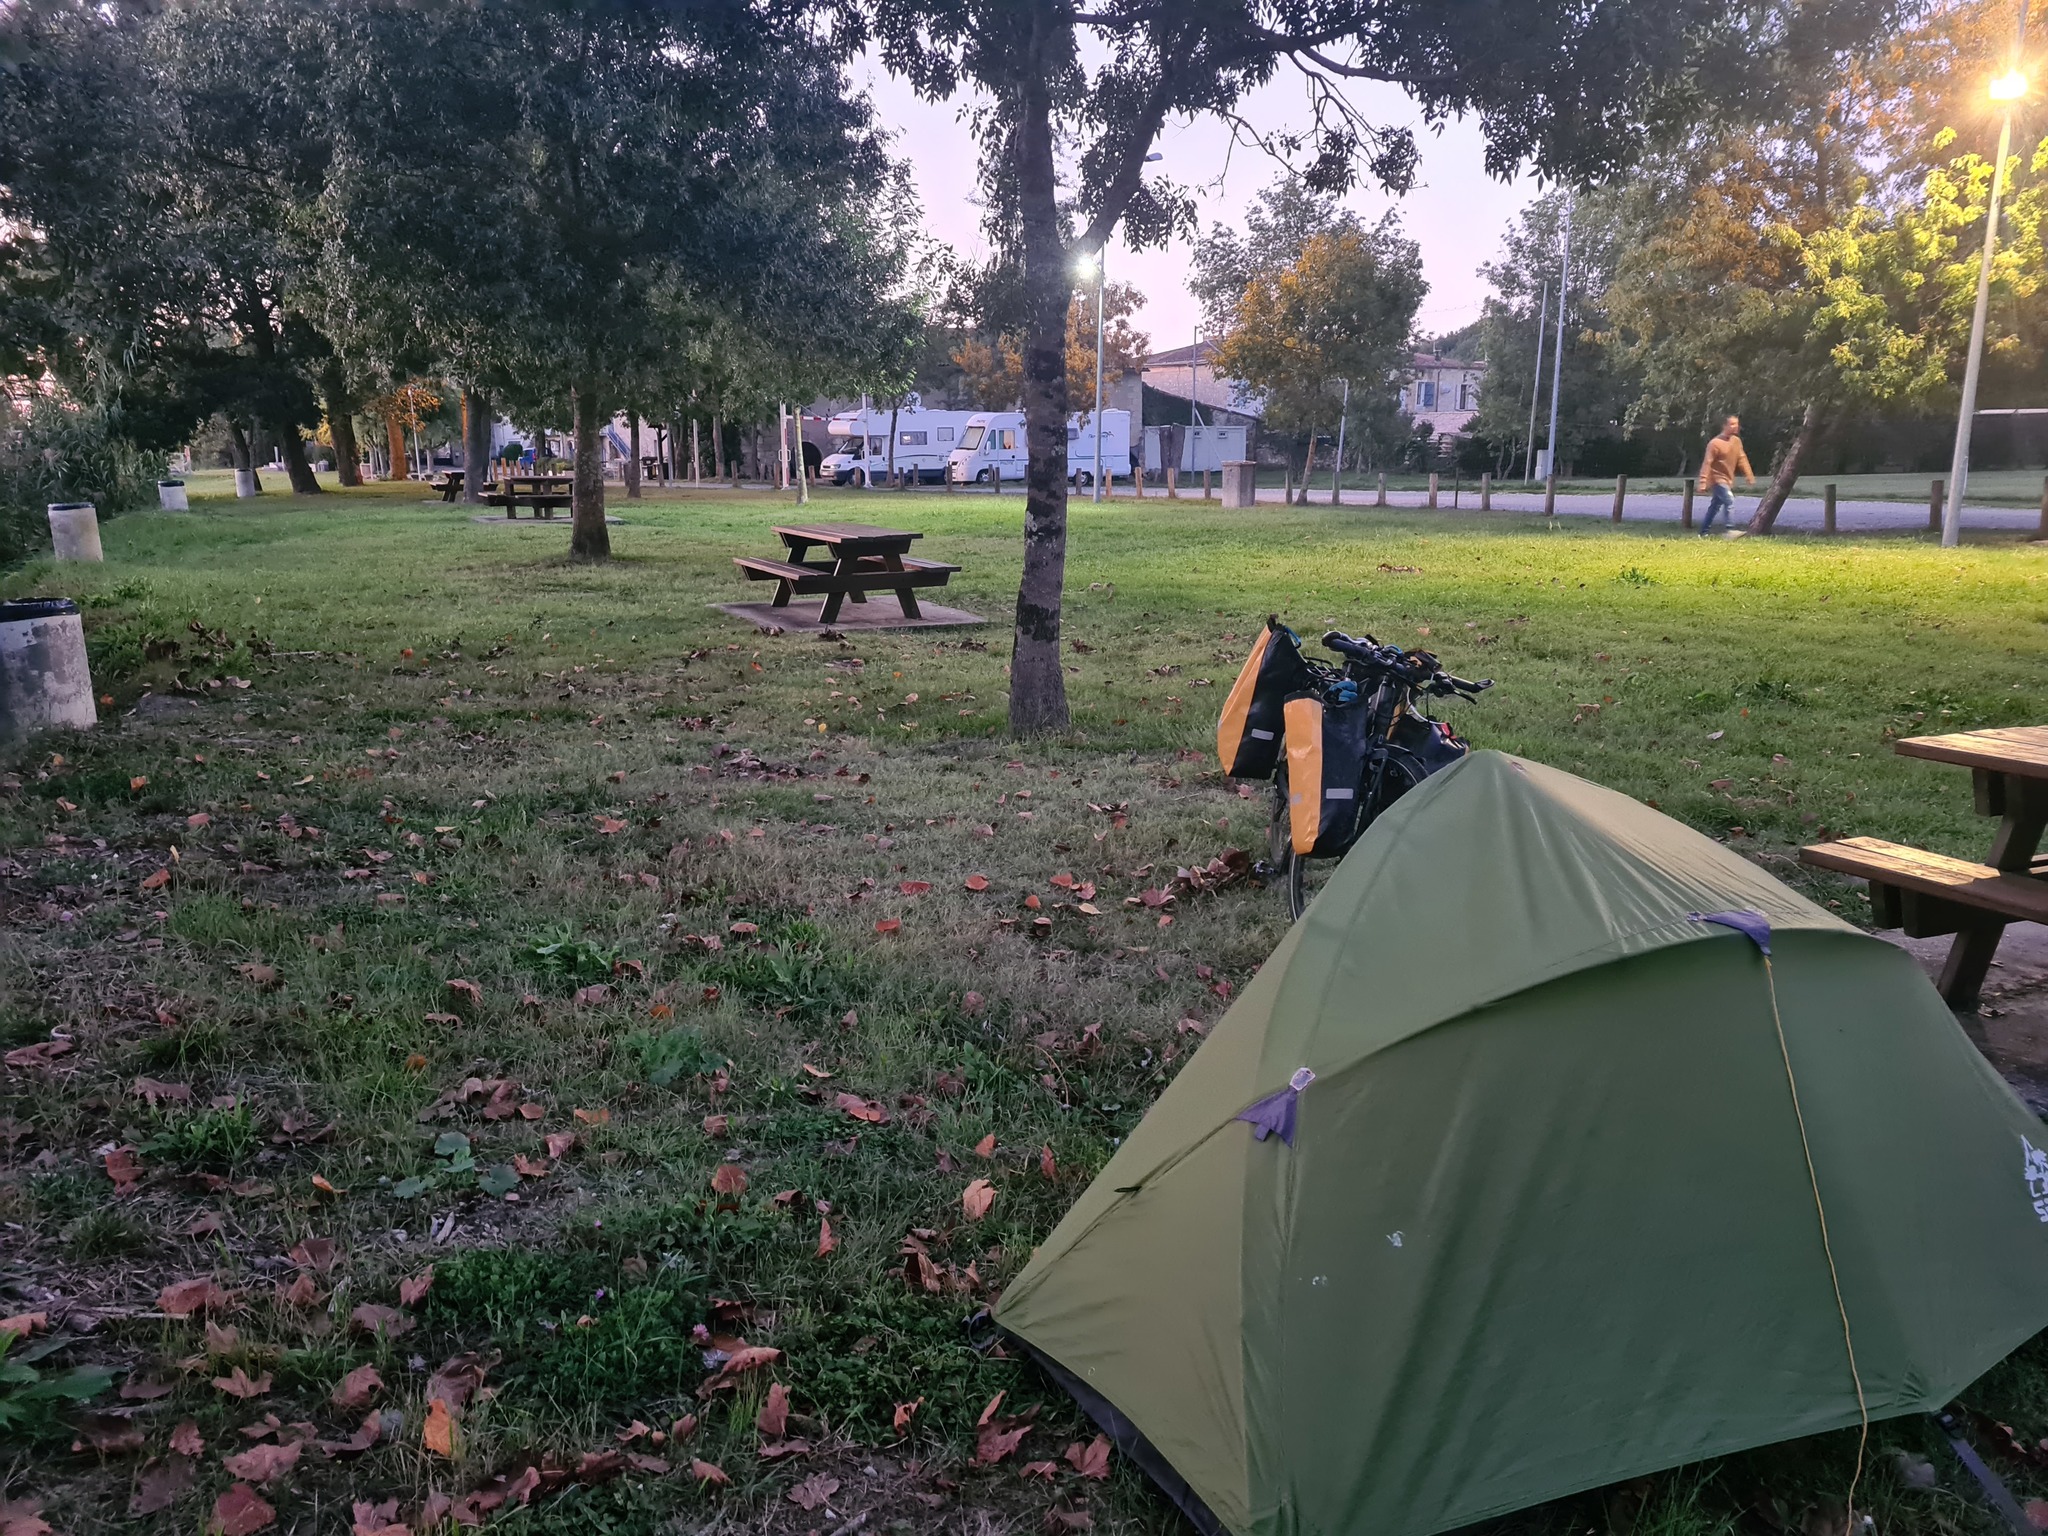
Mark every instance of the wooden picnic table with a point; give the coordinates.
(543, 493)
(863, 559)
(1929, 894)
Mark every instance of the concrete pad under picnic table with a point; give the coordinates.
(2010, 1025)
(804, 618)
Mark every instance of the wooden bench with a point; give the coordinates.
(855, 579)
(450, 485)
(1930, 894)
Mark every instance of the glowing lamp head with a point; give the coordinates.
(2010, 86)
(1087, 265)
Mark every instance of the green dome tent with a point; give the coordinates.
(1494, 1185)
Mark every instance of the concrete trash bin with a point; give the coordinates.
(45, 680)
(1240, 483)
(170, 495)
(75, 530)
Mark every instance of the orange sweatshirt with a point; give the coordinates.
(1724, 459)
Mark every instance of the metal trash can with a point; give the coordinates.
(45, 680)
(246, 483)
(170, 495)
(75, 530)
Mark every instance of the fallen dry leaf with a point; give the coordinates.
(599, 1116)
(705, 1472)
(107, 1433)
(257, 974)
(905, 1412)
(468, 992)
(867, 1110)
(814, 1491)
(124, 1168)
(301, 1293)
(773, 1419)
(977, 1198)
(372, 1319)
(319, 1254)
(239, 1512)
(186, 1439)
(157, 881)
(205, 1224)
(977, 882)
(355, 1391)
(438, 1435)
(1046, 1165)
(730, 1179)
(22, 1324)
(23, 1517)
(263, 1464)
(986, 1147)
(237, 1383)
(591, 996)
(826, 1241)
(159, 1484)
(413, 1290)
(561, 1144)
(156, 1093)
(1090, 1460)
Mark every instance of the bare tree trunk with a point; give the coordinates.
(476, 445)
(589, 539)
(241, 450)
(1767, 510)
(340, 406)
(718, 448)
(290, 446)
(394, 445)
(632, 475)
(894, 411)
(1038, 687)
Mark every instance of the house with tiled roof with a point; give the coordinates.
(1442, 392)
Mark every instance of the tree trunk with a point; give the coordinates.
(1038, 685)
(589, 539)
(894, 416)
(632, 475)
(292, 449)
(476, 445)
(1787, 471)
(718, 448)
(394, 446)
(340, 406)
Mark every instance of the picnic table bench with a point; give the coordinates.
(450, 484)
(1931, 894)
(543, 493)
(864, 559)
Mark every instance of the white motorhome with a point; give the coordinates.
(860, 445)
(993, 447)
(1200, 448)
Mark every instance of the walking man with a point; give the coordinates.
(1717, 474)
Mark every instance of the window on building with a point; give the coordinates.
(1465, 397)
(1425, 394)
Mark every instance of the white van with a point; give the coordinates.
(860, 445)
(993, 447)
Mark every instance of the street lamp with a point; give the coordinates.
(1098, 266)
(2007, 89)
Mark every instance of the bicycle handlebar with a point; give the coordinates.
(1418, 667)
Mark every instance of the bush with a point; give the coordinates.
(63, 451)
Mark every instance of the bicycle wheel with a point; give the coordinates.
(1300, 878)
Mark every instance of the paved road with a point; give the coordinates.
(1800, 511)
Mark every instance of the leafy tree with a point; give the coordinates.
(1576, 88)
(994, 370)
(619, 160)
(1342, 309)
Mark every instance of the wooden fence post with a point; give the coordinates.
(1432, 488)
(2042, 531)
(952, 480)
(1620, 494)
(1550, 495)
(1380, 500)
(1173, 482)
(1827, 507)
(1206, 493)
(1934, 500)
(1685, 506)
(1486, 490)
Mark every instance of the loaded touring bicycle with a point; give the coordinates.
(1340, 743)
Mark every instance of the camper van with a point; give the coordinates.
(993, 447)
(860, 445)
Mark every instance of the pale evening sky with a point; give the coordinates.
(1457, 215)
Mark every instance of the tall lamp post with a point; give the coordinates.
(1564, 282)
(2007, 89)
(1098, 264)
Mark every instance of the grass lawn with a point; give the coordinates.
(1988, 487)
(542, 930)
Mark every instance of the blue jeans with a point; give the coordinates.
(1721, 503)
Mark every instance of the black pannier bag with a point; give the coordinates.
(1248, 735)
(1326, 751)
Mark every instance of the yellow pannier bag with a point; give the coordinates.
(1248, 735)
